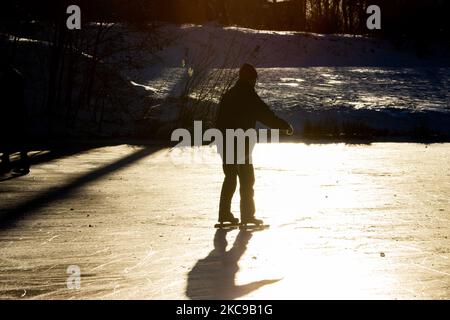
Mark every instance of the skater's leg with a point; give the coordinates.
(24, 156)
(24, 163)
(21, 125)
(21, 144)
(246, 181)
(5, 157)
(228, 189)
(23, 166)
(5, 164)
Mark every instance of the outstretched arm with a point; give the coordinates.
(267, 116)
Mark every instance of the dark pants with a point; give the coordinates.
(246, 176)
(13, 139)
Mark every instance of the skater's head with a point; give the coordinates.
(248, 74)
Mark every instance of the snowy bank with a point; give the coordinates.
(327, 85)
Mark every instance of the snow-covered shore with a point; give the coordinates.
(326, 85)
(281, 49)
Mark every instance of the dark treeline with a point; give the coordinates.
(400, 17)
(69, 74)
(411, 18)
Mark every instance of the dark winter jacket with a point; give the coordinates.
(241, 108)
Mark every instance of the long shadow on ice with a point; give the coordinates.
(26, 208)
(214, 276)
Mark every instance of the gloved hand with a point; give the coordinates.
(289, 131)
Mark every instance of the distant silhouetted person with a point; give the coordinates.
(13, 119)
(241, 108)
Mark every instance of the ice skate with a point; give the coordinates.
(227, 222)
(253, 224)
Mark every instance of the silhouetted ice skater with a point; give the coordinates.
(241, 108)
(13, 123)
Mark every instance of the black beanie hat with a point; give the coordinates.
(248, 72)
